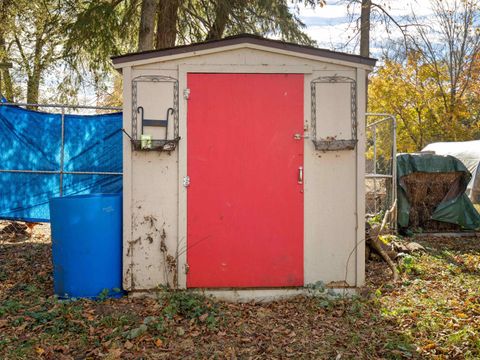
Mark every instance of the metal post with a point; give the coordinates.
(394, 170)
(374, 167)
(374, 148)
(62, 151)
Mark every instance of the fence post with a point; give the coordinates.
(394, 170)
(375, 167)
(62, 151)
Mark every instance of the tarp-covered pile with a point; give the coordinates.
(431, 193)
(468, 152)
(32, 141)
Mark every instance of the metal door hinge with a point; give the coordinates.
(186, 93)
(186, 181)
(187, 268)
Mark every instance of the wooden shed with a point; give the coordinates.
(243, 167)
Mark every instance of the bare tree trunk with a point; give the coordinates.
(147, 25)
(375, 242)
(6, 87)
(37, 67)
(223, 9)
(365, 38)
(33, 86)
(167, 23)
(5, 78)
(365, 28)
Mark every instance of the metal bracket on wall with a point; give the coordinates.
(151, 122)
(333, 144)
(165, 144)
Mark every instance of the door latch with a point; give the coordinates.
(186, 181)
(300, 175)
(299, 136)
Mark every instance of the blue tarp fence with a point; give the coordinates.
(31, 153)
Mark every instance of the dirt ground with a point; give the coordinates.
(434, 312)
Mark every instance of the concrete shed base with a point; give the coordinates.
(255, 295)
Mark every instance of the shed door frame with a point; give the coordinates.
(183, 70)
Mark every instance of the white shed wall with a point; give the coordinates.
(333, 188)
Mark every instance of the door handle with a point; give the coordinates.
(300, 175)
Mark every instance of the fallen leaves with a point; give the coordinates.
(436, 304)
(114, 354)
(434, 312)
(429, 346)
(203, 317)
(158, 343)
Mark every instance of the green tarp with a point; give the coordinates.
(455, 208)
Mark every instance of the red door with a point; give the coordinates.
(245, 200)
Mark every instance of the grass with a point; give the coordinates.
(438, 303)
(434, 312)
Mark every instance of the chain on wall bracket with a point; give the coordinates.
(145, 143)
(333, 144)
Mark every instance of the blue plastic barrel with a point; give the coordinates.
(87, 245)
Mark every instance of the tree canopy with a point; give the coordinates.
(75, 39)
(432, 86)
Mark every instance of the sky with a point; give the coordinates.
(332, 27)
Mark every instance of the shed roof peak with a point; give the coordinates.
(244, 39)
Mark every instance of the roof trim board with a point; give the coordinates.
(238, 40)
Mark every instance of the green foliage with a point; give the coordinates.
(261, 17)
(75, 39)
(409, 91)
(10, 307)
(400, 348)
(377, 218)
(103, 294)
(357, 308)
(136, 332)
(408, 265)
(326, 298)
(388, 238)
(34, 34)
(190, 305)
(430, 89)
(101, 29)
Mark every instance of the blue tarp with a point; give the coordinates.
(31, 140)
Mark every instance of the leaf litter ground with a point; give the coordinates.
(434, 312)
